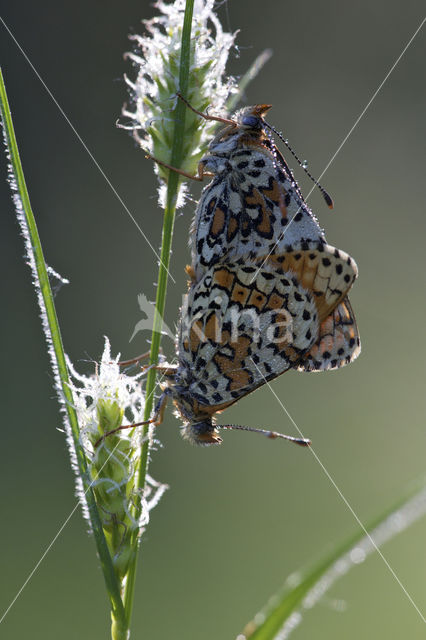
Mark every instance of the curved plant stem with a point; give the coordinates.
(168, 223)
(54, 339)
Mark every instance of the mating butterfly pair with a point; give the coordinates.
(267, 293)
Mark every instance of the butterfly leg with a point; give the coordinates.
(160, 408)
(165, 370)
(156, 419)
(198, 178)
(127, 363)
(125, 426)
(206, 116)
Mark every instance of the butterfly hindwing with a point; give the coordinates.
(338, 341)
(327, 272)
(241, 327)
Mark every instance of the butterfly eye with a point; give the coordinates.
(251, 121)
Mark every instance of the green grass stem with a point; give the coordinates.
(168, 224)
(49, 312)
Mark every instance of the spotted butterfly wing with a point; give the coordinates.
(242, 331)
(244, 325)
(252, 203)
(338, 341)
(328, 272)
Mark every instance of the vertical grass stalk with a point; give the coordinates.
(168, 224)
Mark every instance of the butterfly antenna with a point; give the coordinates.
(325, 195)
(303, 442)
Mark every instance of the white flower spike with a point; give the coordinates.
(103, 402)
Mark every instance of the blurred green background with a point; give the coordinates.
(237, 519)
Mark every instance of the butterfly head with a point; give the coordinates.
(252, 117)
(201, 433)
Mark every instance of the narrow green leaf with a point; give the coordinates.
(54, 338)
(268, 623)
(250, 75)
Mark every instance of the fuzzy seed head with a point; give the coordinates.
(156, 58)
